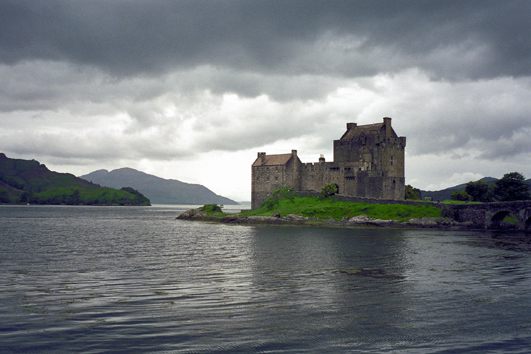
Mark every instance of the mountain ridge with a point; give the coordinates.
(29, 181)
(159, 190)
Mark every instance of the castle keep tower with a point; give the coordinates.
(368, 162)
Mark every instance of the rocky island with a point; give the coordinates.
(288, 208)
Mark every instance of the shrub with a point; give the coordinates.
(211, 208)
(329, 190)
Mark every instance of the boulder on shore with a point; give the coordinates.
(360, 220)
(438, 222)
(192, 214)
(365, 220)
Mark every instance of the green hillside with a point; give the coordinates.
(28, 181)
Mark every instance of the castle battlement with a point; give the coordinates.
(368, 162)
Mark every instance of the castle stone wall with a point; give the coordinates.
(368, 163)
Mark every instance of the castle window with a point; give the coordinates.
(334, 168)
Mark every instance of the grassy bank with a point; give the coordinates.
(329, 208)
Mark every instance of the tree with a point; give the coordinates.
(138, 197)
(412, 193)
(25, 197)
(4, 197)
(461, 196)
(479, 191)
(74, 198)
(511, 187)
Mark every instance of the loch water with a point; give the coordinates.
(134, 279)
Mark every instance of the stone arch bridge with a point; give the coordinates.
(496, 215)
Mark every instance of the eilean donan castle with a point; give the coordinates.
(368, 162)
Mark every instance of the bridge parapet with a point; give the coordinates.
(490, 215)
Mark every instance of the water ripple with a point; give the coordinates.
(136, 280)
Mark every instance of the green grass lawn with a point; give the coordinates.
(453, 202)
(329, 208)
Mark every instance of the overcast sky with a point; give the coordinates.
(192, 90)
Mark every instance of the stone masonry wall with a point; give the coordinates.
(368, 165)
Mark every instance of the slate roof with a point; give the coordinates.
(273, 160)
(367, 129)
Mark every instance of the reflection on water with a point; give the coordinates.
(95, 279)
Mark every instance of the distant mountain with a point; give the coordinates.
(28, 181)
(446, 193)
(158, 190)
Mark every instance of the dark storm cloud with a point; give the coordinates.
(452, 39)
(117, 81)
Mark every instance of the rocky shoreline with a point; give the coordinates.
(356, 221)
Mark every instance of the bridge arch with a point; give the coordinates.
(495, 215)
(505, 219)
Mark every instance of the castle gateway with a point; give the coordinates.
(368, 162)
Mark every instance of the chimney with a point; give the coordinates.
(294, 152)
(351, 125)
(387, 121)
(261, 156)
(321, 159)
